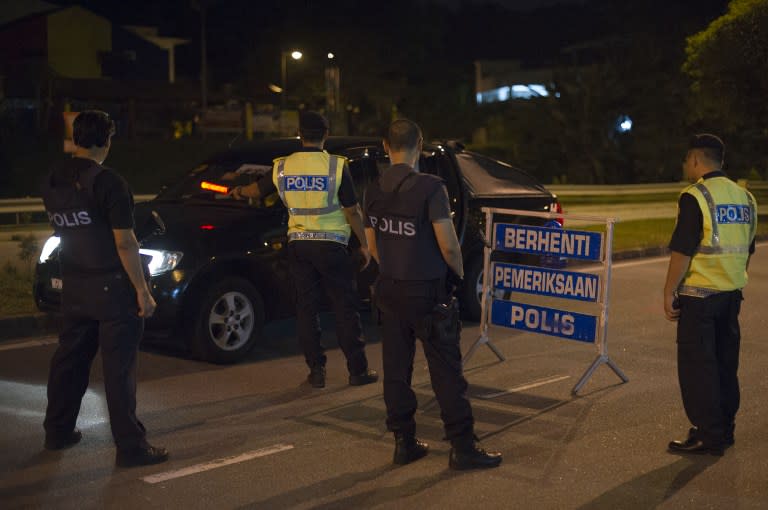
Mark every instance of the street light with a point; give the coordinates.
(295, 55)
(332, 84)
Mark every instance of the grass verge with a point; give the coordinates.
(16, 291)
(652, 233)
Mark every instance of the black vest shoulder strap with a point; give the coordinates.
(402, 181)
(87, 179)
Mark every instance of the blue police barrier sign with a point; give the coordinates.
(546, 282)
(548, 241)
(547, 321)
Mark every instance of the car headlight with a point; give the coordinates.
(51, 244)
(162, 261)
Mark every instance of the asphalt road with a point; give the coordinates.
(253, 436)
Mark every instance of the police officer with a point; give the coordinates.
(411, 236)
(318, 192)
(104, 295)
(711, 247)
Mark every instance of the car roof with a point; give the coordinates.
(267, 150)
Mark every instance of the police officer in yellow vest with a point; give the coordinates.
(710, 250)
(318, 192)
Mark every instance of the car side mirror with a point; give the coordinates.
(159, 222)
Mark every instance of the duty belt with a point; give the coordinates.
(701, 292)
(318, 236)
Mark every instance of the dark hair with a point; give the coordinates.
(312, 126)
(403, 135)
(92, 128)
(710, 145)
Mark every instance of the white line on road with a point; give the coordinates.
(630, 263)
(26, 413)
(528, 386)
(31, 343)
(640, 262)
(207, 466)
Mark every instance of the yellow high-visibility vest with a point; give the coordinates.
(308, 184)
(729, 215)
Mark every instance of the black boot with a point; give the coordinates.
(316, 377)
(408, 449)
(466, 453)
(54, 442)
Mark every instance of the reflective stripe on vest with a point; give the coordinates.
(715, 246)
(318, 236)
(702, 292)
(729, 221)
(331, 207)
(308, 183)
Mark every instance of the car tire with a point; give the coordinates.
(227, 321)
(470, 294)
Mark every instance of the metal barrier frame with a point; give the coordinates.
(485, 315)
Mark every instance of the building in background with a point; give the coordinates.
(505, 80)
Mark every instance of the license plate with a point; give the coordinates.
(56, 283)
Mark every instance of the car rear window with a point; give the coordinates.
(485, 176)
(212, 181)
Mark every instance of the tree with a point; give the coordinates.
(728, 63)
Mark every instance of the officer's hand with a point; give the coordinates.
(146, 303)
(670, 310)
(235, 193)
(366, 258)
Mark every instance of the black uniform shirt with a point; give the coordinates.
(690, 223)
(347, 196)
(439, 207)
(111, 191)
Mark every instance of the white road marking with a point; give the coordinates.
(631, 263)
(207, 466)
(653, 260)
(528, 386)
(31, 343)
(26, 413)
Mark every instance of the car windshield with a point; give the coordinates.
(213, 181)
(486, 176)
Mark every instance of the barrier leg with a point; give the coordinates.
(617, 370)
(598, 361)
(483, 339)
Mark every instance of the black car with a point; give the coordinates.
(218, 268)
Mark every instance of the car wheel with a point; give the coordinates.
(473, 288)
(228, 321)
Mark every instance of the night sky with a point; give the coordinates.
(245, 36)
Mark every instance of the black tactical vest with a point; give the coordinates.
(405, 238)
(87, 242)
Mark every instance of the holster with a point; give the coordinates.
(446, 319)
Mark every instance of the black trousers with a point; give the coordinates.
(318, 264)
(406, 313)
(70, 368)
(708, 339)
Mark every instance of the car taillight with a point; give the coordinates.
(207, 227)
(556, 207)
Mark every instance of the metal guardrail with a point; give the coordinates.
(19, 206)
(565, 190)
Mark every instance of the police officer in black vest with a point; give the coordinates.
(104, 295)
(411, 235)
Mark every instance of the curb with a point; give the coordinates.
(24, 326)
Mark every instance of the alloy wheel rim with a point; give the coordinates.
(231, 321)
